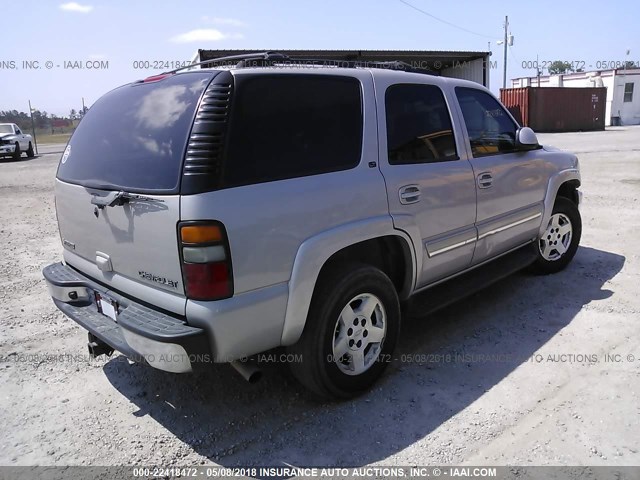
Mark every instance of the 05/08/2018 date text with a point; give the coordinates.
(580, 65)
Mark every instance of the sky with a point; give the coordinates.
(125, 33)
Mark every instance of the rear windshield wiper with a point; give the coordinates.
(119, 198)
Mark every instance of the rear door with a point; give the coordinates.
(133, 139)
(429, 181)
(510, 184)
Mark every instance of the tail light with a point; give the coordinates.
(206, 262)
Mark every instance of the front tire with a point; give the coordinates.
(30, 152)
(351, 332)
(558, 244)
(17, 152)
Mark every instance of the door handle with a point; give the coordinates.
(485, 180)
(409, 194)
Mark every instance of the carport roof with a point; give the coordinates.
(412, 57)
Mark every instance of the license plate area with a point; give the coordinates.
(107, 306)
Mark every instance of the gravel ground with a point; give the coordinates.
(533, 370)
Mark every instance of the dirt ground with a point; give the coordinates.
(532, 371)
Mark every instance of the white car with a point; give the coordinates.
(13, 142)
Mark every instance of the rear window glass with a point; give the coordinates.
(134, 137)
(286, 126)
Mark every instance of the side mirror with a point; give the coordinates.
(526, 139)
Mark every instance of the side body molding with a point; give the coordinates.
(552, 191)
(312, 255)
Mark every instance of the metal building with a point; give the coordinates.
(472, 66)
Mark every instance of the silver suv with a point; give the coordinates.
(209, 215)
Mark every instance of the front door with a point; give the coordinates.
(510, 184)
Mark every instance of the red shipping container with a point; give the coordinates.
(557, 109)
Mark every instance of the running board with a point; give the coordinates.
(465, 284)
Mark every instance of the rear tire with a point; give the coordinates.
(559, 242)
(17, 152)
(351, 332)
(30, 152)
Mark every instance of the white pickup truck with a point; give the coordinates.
(13, 142)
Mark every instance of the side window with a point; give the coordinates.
(628, 92)
(418, 125)
(491, 130)
(288, 126)
(18, 132)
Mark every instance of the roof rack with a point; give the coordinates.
(269, 59)
(293, 61)
(247, 56)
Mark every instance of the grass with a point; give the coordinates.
(55, 138)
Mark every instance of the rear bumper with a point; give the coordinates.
(141, 333)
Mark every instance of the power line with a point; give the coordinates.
(445, 22)
(513, 55)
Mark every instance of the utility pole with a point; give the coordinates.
(504, 72)
(624, 79)
(33, 127)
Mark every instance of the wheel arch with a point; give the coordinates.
(365, 241)
(569, 190)
(565, 184)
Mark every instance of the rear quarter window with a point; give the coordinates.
(134, 137)
(289, 125)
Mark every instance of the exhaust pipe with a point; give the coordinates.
(97, 347)
(248, 369)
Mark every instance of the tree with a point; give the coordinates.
(22, 119)
(73, 113)
(40, 119)
(559, 67)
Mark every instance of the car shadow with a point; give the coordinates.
(273, 422)
(23, 158)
